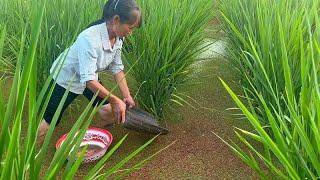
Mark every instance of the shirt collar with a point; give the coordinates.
(105, 39)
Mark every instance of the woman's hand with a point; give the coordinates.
(119, 109)
(117, 105)
(129, 101)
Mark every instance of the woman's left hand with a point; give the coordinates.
(129, 101)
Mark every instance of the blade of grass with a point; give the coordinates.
(143, 162)
(125, 160)
(77, 164)
(267, 138)
(98, 167)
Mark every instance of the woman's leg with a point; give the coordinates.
(42, 131)
(53, 104)
(106, 114)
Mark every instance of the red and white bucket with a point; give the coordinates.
(98, 141)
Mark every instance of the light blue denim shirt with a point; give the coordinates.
(89, 54)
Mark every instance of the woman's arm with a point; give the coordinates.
(96, 86)
(117, 104)
(122, 82)
(123, 86)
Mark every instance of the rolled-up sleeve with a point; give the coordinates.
(116, 64)
(87, 56)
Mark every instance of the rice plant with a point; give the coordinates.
(253, 29)
(276, 47)
(20, 159)
(62, 22)
(162, 51)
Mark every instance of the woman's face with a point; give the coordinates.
(124, 29)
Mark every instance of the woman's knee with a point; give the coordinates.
(105, 111)
(44, 126)
(42, 131)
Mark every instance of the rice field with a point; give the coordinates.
(273, 48)
(275, 45)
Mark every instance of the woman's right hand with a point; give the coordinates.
(117, 105)
(119, 109)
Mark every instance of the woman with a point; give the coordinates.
(96, 49)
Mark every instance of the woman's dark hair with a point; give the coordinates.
(123, 8)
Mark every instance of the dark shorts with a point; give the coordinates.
(56, 97)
